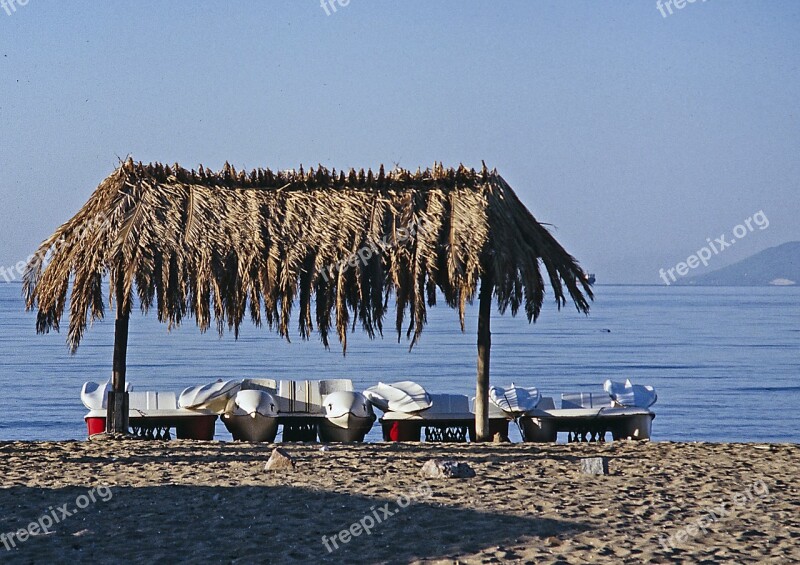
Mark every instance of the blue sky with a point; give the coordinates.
(637, 136)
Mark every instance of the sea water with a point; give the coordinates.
(724, 361)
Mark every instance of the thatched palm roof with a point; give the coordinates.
(219, 246)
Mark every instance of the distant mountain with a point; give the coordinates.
(779, 266)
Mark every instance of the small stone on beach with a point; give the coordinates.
(440, 469)
(594, 466)
(280, 460)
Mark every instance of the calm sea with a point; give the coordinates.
(724, 361)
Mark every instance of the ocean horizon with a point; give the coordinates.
(723, 360)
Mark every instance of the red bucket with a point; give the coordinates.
(96, 425)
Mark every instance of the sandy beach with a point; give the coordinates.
(183, 501)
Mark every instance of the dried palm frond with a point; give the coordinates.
(223, 246)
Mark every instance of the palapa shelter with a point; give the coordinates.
(221, 246)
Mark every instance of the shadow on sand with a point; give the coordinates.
(254, 524)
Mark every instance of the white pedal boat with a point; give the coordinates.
(623, 410)
(151, 414)
(252, 415)
(348, 417)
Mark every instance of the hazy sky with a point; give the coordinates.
(638, 136)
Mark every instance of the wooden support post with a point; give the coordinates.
(117, 410)
(484, 348)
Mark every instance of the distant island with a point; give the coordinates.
(776, 266)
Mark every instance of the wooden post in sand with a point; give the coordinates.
(484, 347)
(117, 410)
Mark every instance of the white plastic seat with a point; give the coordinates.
(405, 397)
(213, 396)
(307, 396)
(515, 400)
(585, 400)
(95, 395)
(631, 395)
(151, 400)
(442, 404)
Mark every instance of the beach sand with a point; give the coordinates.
(184, 501)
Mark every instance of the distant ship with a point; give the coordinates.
(590, 278)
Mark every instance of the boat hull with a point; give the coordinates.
(621, 423)
(345, 428)
(247, 428)
(538, 430)
(636, 427)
